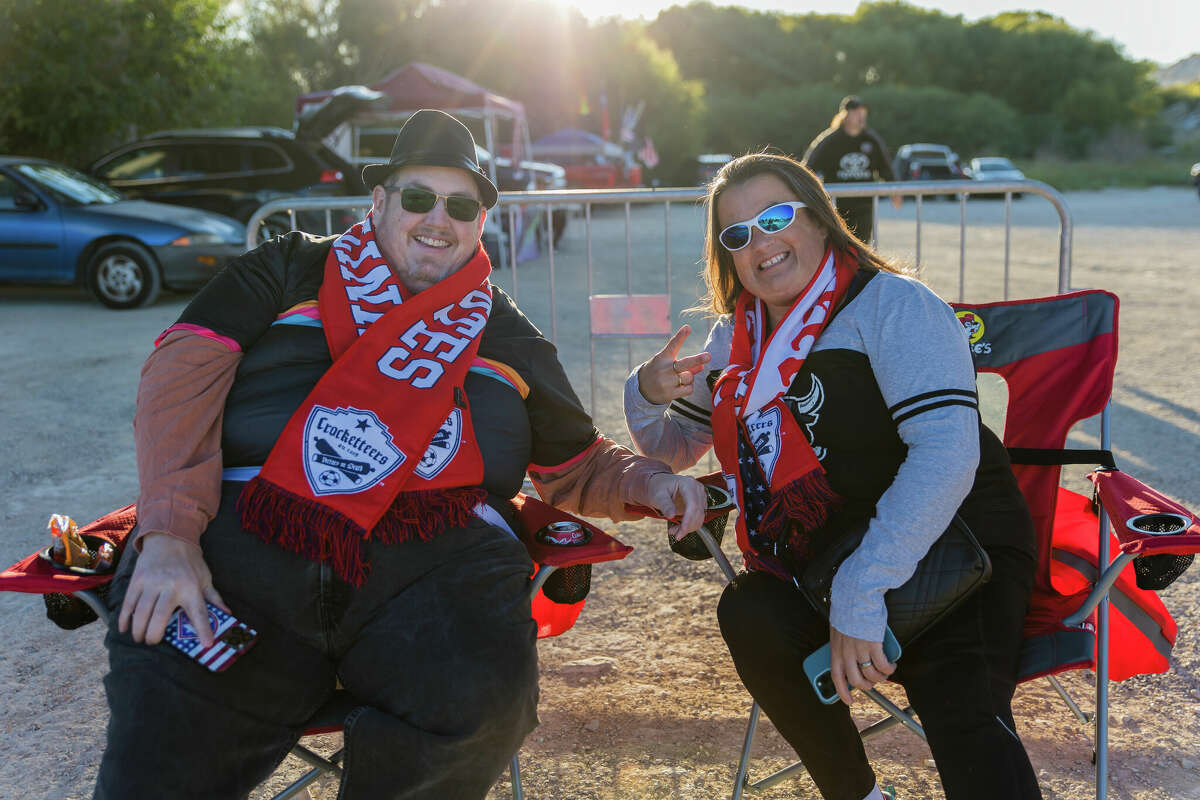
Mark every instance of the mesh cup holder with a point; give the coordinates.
(692, 546)
(1157, 572)
(69, 612)
(568, 584)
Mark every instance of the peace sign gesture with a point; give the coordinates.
(666, 376)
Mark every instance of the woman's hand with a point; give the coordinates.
(669, 492)
(169, 574)
(856, 662)
(666, 376)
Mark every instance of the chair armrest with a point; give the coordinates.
(1136, 510)
(533, 515)
(720, 502)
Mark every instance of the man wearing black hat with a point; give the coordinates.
(850, 152)
(328, 440)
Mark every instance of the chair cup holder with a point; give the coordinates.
(568, 584)
(692, 546)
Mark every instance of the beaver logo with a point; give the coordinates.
(973, 323)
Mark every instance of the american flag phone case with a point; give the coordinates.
(232, 638)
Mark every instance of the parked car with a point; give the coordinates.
(59, 226)
(234, 171)
(995, 168)
(927, 162)
(1196, 175)
(528, 176)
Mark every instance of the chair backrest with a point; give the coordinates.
(1057, 356)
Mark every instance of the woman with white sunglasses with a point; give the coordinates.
(836, 390)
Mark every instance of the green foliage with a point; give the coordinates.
(1070, 176)
(84, 75)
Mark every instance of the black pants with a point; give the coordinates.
(959, 676)
(859, 215)
(438, 646)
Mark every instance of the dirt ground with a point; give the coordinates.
(640, 700)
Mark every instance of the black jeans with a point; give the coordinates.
(859, 216)
(438, 647)
(959, 676)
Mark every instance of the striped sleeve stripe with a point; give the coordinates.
(931, 406)
(918, 398)
(676, 408)
(693, 407)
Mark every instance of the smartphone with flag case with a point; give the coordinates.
(231, 638)
(820, 673)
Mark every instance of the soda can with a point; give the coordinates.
(564, 533)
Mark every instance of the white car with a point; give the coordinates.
(995, 168)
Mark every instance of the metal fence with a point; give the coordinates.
(631, 315)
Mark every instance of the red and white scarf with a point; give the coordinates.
(383, 447)
(780, 486)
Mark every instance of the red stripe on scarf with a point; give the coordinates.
(383, 447)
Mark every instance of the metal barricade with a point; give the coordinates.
(640, 315)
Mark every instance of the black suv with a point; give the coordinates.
(231, 171)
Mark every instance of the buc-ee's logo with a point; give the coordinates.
(973, 324)
(347, 450)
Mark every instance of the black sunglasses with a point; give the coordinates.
(421, 201)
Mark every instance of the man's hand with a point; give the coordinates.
(170, 574)
(666, 376)
(897, 201)
(668, 493)
(856, 662)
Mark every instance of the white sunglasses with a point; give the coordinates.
(770, 220)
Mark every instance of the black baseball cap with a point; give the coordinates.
(851, 102)
(432, 138)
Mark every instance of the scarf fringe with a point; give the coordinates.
(798, 509)
(319, 533)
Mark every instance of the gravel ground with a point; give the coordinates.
(640, 700)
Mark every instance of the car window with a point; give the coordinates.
(264, 158)
(208, 159)
(141, 164)
(68, 185)
(8, 193)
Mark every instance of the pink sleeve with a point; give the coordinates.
(177, 430)
(601, 482)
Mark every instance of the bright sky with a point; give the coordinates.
(1163, 31)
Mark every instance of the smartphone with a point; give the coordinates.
(231, 638)
(820, 673)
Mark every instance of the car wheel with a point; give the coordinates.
(124, 275)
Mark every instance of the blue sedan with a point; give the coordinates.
(58, 226)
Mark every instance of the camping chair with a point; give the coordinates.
(1057, 356)
(557, 590)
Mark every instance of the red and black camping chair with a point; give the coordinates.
(558, 588)
(1057, 356)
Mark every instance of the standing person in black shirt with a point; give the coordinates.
(850, 152)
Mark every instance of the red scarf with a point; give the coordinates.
(780, 486)
(383, 447)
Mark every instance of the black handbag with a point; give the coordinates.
(955, 566)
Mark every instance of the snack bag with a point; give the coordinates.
(68, 547)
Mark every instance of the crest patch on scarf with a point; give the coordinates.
(347, 450)
(764, 437)
(443, 447)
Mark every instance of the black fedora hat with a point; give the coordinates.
(432, 138)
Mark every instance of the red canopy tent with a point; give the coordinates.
(416, 86)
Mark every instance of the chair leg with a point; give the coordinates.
(1080, 714)
(739, 782)
(515, 769)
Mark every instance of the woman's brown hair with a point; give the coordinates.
(719, 273)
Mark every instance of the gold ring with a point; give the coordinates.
(679, 375)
